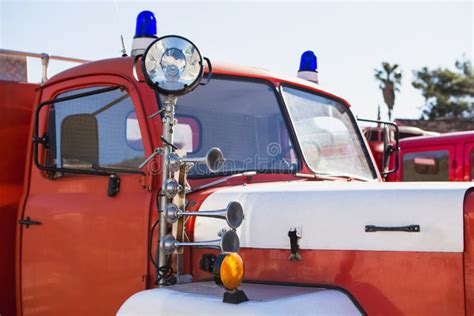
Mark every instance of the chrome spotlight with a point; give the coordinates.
(173, 65)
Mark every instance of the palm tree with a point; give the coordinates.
(389, 77)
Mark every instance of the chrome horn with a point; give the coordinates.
(229, 242)
(233, 214)
(214, 160)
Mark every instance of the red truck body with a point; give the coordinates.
(16, 108)
(90, 251)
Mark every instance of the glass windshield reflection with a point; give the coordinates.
(329, 139)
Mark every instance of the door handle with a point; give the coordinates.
(407, 229)
(27, 221)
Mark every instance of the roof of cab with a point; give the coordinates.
(123, 66)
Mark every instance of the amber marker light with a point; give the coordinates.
(229, 270)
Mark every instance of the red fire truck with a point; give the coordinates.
(115, 211)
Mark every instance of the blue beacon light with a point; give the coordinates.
(146, 25)
(145, 32)
(309, 67)
(309, 61)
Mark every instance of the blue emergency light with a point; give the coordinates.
(146, 25)
(309, 67)
(309, 61)
(145, 32)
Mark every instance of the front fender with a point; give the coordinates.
(205, 298)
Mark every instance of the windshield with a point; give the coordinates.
(243, 119)
(329, 138)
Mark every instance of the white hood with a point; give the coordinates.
(333, 215)
(205, 298)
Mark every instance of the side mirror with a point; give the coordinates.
(388, 147)
(391, 145)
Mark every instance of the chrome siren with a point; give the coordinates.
(229, 242)
(214, 160)
(233, 214)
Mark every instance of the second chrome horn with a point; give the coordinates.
(229, 242)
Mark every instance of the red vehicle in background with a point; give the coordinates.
(447, 157)
(378, 143)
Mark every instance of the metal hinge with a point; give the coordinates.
(27, 221)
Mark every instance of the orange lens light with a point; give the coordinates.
(229, 270)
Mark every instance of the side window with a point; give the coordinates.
(97, 131)
(426, 166)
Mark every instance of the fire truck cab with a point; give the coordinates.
(119, 213)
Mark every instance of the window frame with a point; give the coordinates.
(468, 165)
(44, 139)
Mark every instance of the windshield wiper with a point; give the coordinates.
(333, 176)
(222, 180)
(317, 176)
(112, 170)
(328, 176)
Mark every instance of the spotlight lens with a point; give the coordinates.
(172, 65)
(229, 270)
(173, 62)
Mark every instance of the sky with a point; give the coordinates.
(350, 38)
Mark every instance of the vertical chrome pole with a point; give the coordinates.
(44, 64)
(168, 125)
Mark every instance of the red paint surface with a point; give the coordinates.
(89, 254)
(385, 283)
(16, 105)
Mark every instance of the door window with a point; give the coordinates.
(97, 131)
(426, 166)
